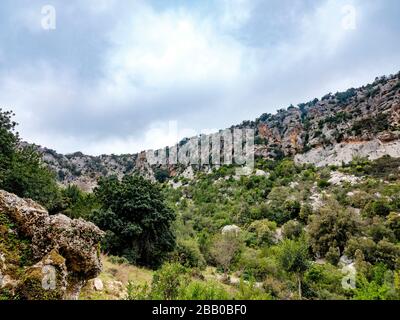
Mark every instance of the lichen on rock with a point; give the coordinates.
(64, 252)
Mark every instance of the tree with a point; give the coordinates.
(331, 226)
(224, 249)
(21, 169)
(161, 175)
(294, 258)
(136, 219)
(78, 204)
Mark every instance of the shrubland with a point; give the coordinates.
(293, 230)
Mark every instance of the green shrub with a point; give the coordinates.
(292, 229)
(168, 280)
(393, 223)
(378, 207)
(249, 291)
(200, 290)
(323, 183)
(187, 253)
(331, 226)
(263, 230)
(253, 265)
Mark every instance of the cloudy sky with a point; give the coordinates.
(117, 76)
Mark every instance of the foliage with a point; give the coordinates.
(224, 249)
(136, 219)
(294, 258)
(261, 232)
(292, 229)
(21, 168)
(187, 253)
(78, 204)
(331, 226)
(200, 290)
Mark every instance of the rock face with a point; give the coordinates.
(65, 250)
(358, 122)
(345, 152)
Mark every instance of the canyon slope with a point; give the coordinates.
(360, 122)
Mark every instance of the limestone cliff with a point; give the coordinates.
(363, 121)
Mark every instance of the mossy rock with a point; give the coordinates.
(46, 280)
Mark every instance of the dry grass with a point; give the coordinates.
(115, 278)
(125, 272)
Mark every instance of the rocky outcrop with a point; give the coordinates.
(331, 130)
(65, 251)
(345, 152)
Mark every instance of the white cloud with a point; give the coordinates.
(179, 64)
(235, 12)
(165, 49)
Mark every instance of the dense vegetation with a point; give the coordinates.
(296, 225)
(21, 170)
(294, 230)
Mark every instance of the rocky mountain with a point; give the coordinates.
(362, 122)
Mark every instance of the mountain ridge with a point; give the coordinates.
(362, 121)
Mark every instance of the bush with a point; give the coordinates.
(168, 280)
(187, 253)
(333, 255)
(323, 183)
(381, 252)
(263, 230)
(331, 226)
(378, 207)
(393, 222)
(323, 282)
(292, 229)
(249, 291)
(200, 290)
(253, 265)
(280, 209)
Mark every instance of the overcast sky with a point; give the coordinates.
(117, 76)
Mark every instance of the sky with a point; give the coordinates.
(117, 76)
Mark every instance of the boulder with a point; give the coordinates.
(98, 284)
(231, 229)
(46, 280)
(68, 248)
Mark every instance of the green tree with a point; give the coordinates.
(136, 219)
(331, 226)
(78, 204)
(224, 249)
(294, 258)
(21, 169)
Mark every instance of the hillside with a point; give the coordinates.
(363, 121)
(292, 228)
